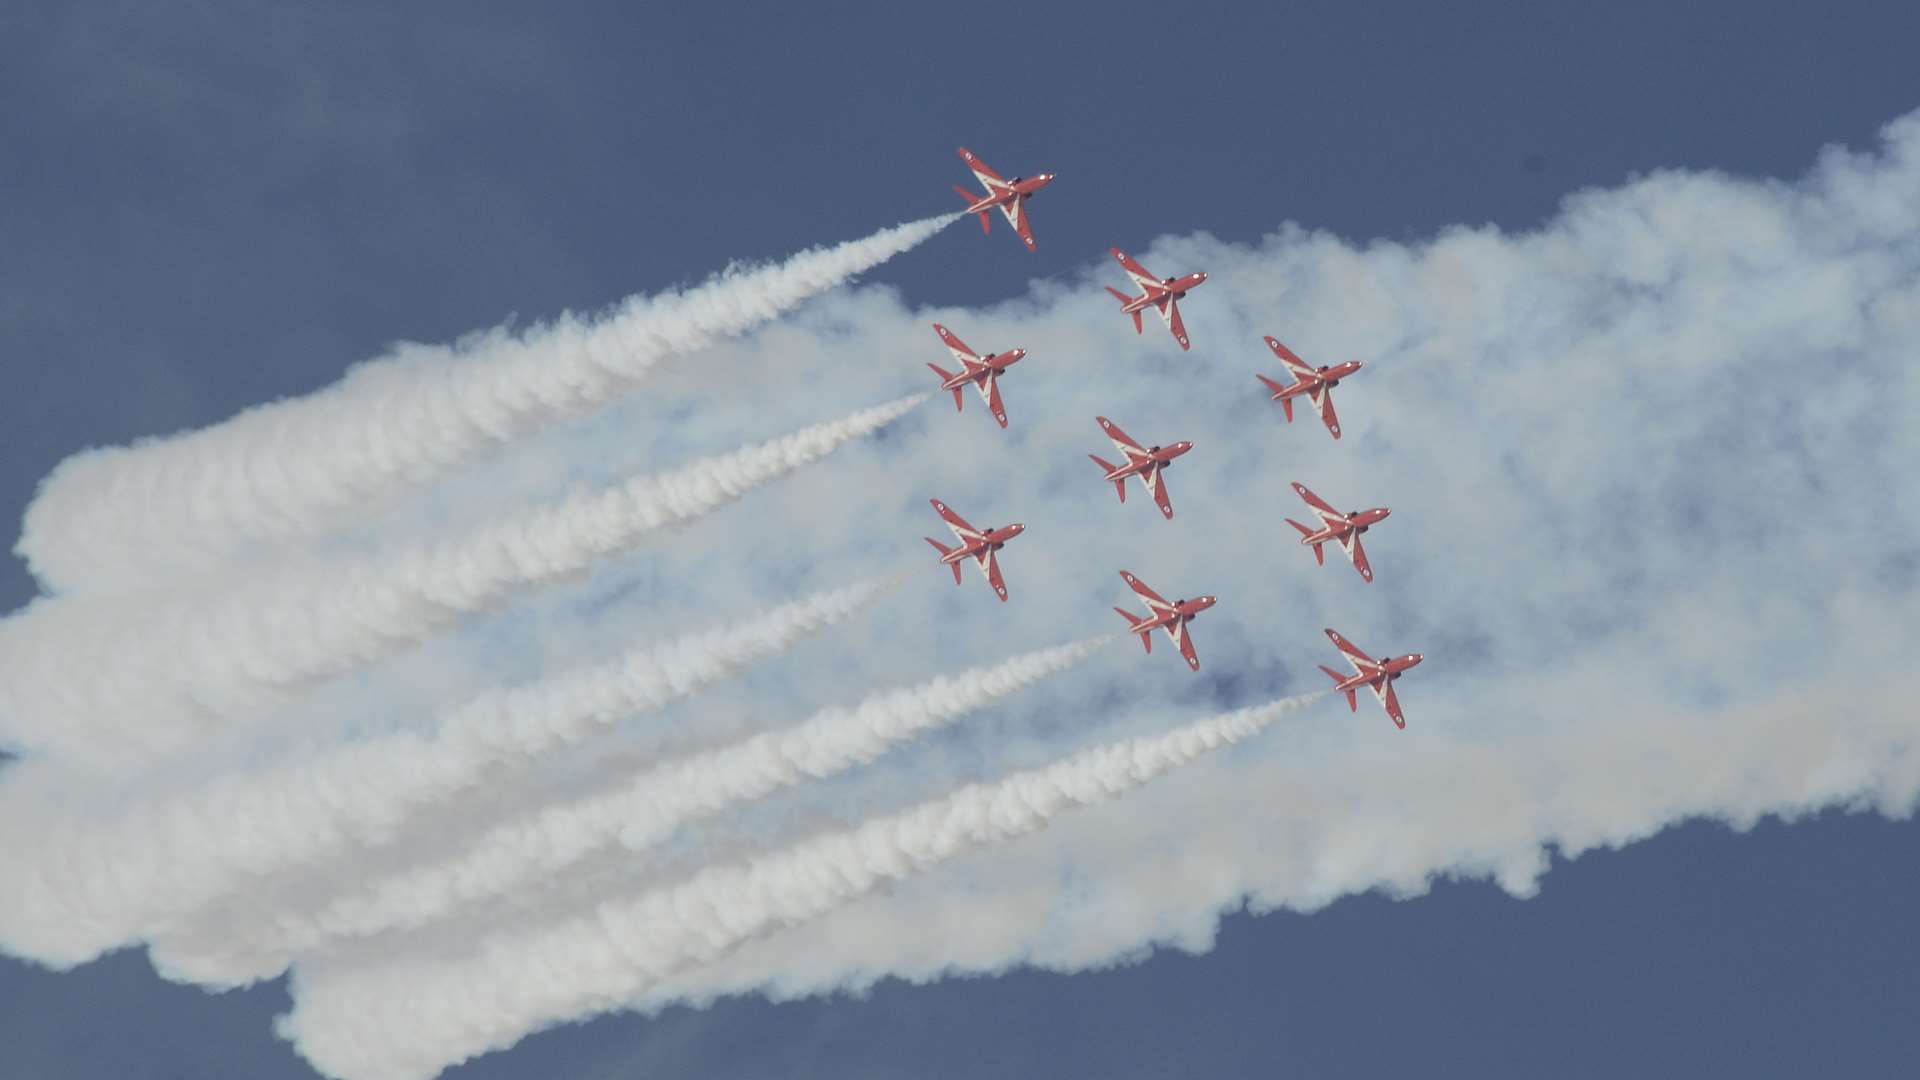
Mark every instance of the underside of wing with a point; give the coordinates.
(955, 346)
(1016, 211)
(1134, 270)
(1320, 505)
(1171, 313)
(1153, 599)
(1360, 659)
(1350, 543)
(989, 564)
(982, 171)
(1184, 638)
(1157, 484)
(955, 522)
(1392, 702)
(1286, 356)
(990, 390)
(1121, 440)
(1324, 399)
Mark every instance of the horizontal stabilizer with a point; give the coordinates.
(944, 551)
(1352, 705)
(1146, 640)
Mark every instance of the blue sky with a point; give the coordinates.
(218, 208)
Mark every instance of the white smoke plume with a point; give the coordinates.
(135, 674)
(119, 518)
(407, 1018)
(88, 886)
(522, 852)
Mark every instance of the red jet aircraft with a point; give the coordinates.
(982, 371)
(1008, 196)
(1342, 529)
(1171, 617)
(980, 545)
(1311, 381)
(1145, 462)
(1376, 675)
(1163, 295)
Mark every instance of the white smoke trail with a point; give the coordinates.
(119, 518)
(406, 1018)
(226, 951)
(122, 676)
(86, 887)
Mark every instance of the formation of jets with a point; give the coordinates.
(1149, 464)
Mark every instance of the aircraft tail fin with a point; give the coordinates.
(1124, 301)
(1286, 403)
(986, 220)
(944, 551)
(1353, 705)
(959, 402)
(1119, 485)
(1145, 639)
(1319, 555)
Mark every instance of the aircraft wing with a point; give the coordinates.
(989, 564)
(1169, 310)
(1319, 504)
(1154, 600)
(1294, 364)
(1184, 638)
(983, 172)
(990, 393)
(1138, 273)
(1324, 398)
(1389, 700)
(1121, 440)
(1350, 543)
(958, 524)
(1360, 660)
(1016, 212)
(958, 348)
(1156, 482)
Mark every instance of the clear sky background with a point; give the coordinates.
(214, 207)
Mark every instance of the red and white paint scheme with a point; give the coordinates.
(1342, 529)
(1161, 615)
(1315, 382)
(982, 371)
(980, 545)
(1376, 675)
(1146, 462)
(1007, 196)
(1161, 294)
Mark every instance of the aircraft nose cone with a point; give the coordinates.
(1016, 528)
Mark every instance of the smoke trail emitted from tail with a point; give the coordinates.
(118, 518)
(407, 1017)
(517, 854)
(164, 673)
(88, 887)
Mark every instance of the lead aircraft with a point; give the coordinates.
(1315, 382)
(1007, 196)
(1376, 675)
(1145, 462)
(1342, 529)
(1161, 294)
(980, 545)
(982, 371)
(1161, 615)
